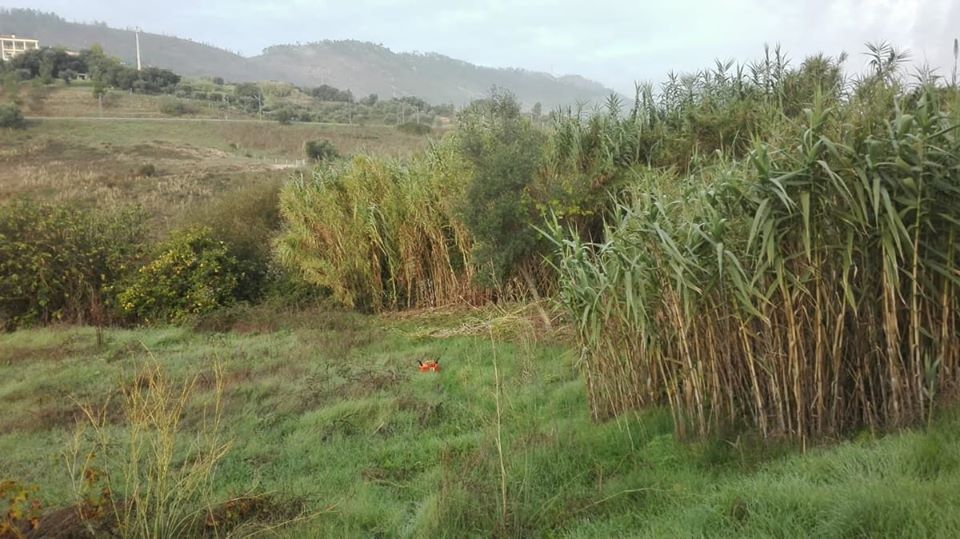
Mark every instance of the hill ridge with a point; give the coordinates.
(362, 67)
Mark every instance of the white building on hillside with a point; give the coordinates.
(11, 46)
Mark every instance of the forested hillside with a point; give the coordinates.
(361, 67)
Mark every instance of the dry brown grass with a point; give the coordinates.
(77, 100)
(98, 163)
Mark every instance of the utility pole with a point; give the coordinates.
(956, 55)
(138, 49)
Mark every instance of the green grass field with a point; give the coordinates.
(77, 100)
(329, 417)
(331, 428)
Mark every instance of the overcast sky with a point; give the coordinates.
(614, 42)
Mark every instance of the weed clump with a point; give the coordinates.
(11, 117)
(172, 106)
(156, 479)
(146, 170)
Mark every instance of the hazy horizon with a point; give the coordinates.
(614, 43)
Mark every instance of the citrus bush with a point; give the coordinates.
(58, 262)
(190, 273)
(246, 219)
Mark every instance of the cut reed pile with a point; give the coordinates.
(806, 291)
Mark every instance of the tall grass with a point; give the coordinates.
(382, 234)
(751, 244)
(152, 479)
(804, 291)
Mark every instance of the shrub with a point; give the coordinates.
(146, 170)
(11, 117)
(172, 106)
(505, 151)
(190, 273)
(245, 220)
(320, 150)
(414, 128)
(61, 262)
(285, 116)
(68, 75)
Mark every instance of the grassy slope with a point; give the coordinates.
(76, 100)
(327, 409)
(96, 162)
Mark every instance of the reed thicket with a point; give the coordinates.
(805, 290)
(382, 234)
(757, 245)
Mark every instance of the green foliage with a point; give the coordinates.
(285, 116)
(320, 150)
(68, 76)
(47, 63)
(11, 117)
(190, 273)
(505, 151)
(58, 263)
(245, 220)
(333, 400)
(248, 89)
(329, 93)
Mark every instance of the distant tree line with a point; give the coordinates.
(270, 100)
(48, 64)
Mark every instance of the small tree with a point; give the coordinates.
(68, 75)
(320, 150)
(285, 116)
(191, 273)
(11, 117)
(505, 150)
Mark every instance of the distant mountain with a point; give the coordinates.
(368, 68)
(361, 67)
